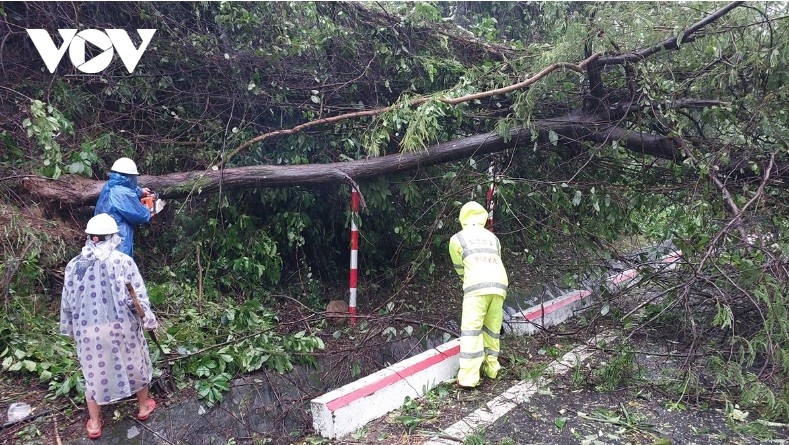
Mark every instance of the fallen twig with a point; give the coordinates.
(152, 431)
(57, 433)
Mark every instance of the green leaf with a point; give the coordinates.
(66, 387)
(222, 383)
(577, 197)
(203, 390)
(553, 137)
(45, 376)
(76, 168)
(279, 366)
(30, 365)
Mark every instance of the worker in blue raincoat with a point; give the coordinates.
(120, 198)
(476, 256)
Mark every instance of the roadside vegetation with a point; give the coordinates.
(685, 141)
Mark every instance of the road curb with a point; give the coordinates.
(559, 309)
(348, 408)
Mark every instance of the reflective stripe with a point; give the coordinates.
(462, 241)
(491, 352)
(468, 251)
(484, 286)
(471, 333)
(488, 250)
(463, 245)
(458, 266)
(470, 355)
(489, 332)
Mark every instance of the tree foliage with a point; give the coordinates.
(604, 120)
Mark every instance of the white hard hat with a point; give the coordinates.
(102, 224)
(125, 166)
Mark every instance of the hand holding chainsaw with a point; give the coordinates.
(151, 200)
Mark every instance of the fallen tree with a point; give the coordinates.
(597, 121)
(77, 190)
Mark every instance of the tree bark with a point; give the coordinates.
(77, 191)
(74, 190)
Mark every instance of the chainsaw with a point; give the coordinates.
(153, 203)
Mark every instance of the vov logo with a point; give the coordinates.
(105, 41)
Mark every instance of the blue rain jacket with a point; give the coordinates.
(120, 198)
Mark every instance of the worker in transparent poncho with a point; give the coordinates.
(98, 313)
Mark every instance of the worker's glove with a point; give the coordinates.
(150, 323)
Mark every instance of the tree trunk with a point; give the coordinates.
(75, 190)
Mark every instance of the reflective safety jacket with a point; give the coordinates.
(476, 254)
(120, 198)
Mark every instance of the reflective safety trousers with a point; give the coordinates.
(479, 338)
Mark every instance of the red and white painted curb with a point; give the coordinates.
(350, 407)
(559, 309)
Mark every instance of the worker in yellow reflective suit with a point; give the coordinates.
(476, 255)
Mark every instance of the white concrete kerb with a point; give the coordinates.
(350, 407)
(559, 309)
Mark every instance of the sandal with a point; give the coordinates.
(94, 434)
(150, 403)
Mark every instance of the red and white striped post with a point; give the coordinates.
(354, 254)
(491, 194)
